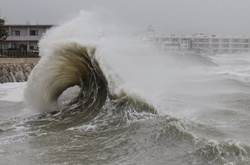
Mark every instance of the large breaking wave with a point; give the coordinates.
(81, 102)
(74, 65)
(70, 65)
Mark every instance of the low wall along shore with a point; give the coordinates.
(16, 69)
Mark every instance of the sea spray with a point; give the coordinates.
(201, 116)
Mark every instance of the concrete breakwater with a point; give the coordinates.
(16, 69)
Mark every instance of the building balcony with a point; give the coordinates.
(23, 38)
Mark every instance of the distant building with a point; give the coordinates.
(23, 37)
(200, 42)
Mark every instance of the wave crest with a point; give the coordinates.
(68, 65)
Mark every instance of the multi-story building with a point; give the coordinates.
(23, 37)
(220, 43)
(200, 42)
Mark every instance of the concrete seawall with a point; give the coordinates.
(16, 69)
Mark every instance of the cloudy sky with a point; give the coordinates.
(172, 16)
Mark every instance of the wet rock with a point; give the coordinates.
(15, 72)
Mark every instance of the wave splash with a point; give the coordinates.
(71, 64)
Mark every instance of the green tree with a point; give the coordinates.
(3, 32)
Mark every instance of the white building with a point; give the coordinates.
(200, 42)
(23, 37)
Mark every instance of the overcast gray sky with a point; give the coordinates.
(173, 16)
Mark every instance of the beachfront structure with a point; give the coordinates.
(200, 42)
(23, 37)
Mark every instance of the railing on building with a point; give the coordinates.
(17, 54)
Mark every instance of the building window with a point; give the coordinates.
(225, 40)
(14, 46)
(215, 40)
(225, 45)
(31, 47)
(3, 46)
(215, 45)
(203, 40)
(244, 41)
(174, 40)
(15, 32)
(235, 40)
(34, 32)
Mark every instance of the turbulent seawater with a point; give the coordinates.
(98, 96)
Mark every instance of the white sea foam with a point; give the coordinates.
(12, 92)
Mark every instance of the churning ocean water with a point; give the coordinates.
(98, 96)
